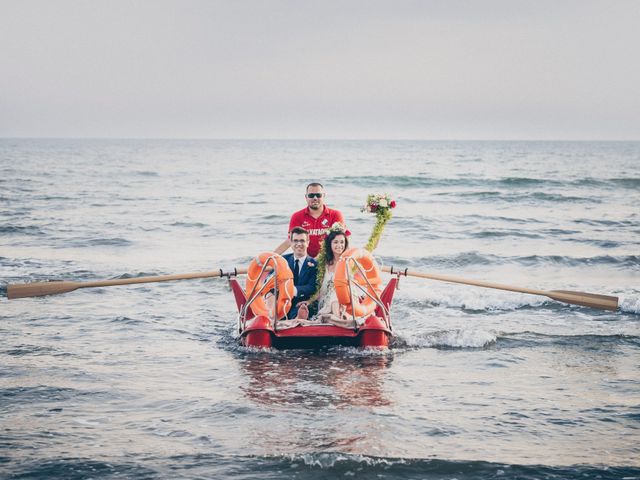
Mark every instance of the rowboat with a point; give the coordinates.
(261, 331)
(264, 330)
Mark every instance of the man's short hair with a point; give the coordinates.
(299, 231)
(314, 184)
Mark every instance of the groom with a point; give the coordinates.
(304, 270)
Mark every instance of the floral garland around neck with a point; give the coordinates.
(321, 259)
(380, 204)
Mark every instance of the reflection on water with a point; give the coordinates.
(335, 378)
(326, 400)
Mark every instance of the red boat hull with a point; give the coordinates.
(258, 331)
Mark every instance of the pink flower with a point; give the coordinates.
(393, 204)
(373, 207)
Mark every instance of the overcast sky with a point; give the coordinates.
(449, 69)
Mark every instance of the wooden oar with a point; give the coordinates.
(39, 289)
(602, 302)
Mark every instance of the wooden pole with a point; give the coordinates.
(602, 302)
(39, 289)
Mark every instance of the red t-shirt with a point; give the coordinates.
(317, 227)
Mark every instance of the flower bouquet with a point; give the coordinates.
(379, 204)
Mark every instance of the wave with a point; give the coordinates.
(312, 466)
(517, 197)
(511, 183)
(457, 338)
(475, 338)
(49, 198)
(365, 466)
(36, 350)
(606, 223)
(343, 464)
(624, 261)
(79, 275)
(599, 243)
(76, 468)
(269, 219)
(485, 300)
(477, 300)
(96, 242)
(44, 394)
(632, 183)
(530, 339)
(399, 181)
(629, 304)
(474, 258)
(19, 229)
(189, 224)
(527, 182)
(408, 181)
(126, 321)
(503, 219)
(558, 198)
(489, 234)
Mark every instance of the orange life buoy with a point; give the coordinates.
(371, 284)
(283, 279)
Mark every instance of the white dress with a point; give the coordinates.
(327, 294)
(326, 297)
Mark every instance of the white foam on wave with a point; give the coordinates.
(458, 338)
(629, 304)
(330, 459)
(470, 298)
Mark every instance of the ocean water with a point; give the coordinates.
(148, 381)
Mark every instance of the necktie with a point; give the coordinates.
(296, 266)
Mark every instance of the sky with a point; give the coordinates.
(314, 69)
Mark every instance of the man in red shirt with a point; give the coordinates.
(316, 218)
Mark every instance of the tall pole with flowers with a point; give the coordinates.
(381, 205)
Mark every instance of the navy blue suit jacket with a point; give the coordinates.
(306, 284)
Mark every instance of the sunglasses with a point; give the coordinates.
(315, 195)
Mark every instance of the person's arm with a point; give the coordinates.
(283, 247)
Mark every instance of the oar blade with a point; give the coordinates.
(593, 300)
(40, 289)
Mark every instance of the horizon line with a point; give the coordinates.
(341, 139)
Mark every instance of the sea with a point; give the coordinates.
(149, 381)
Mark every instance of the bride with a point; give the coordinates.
(334, 245)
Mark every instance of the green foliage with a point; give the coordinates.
(322, 268)
(383, 215)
